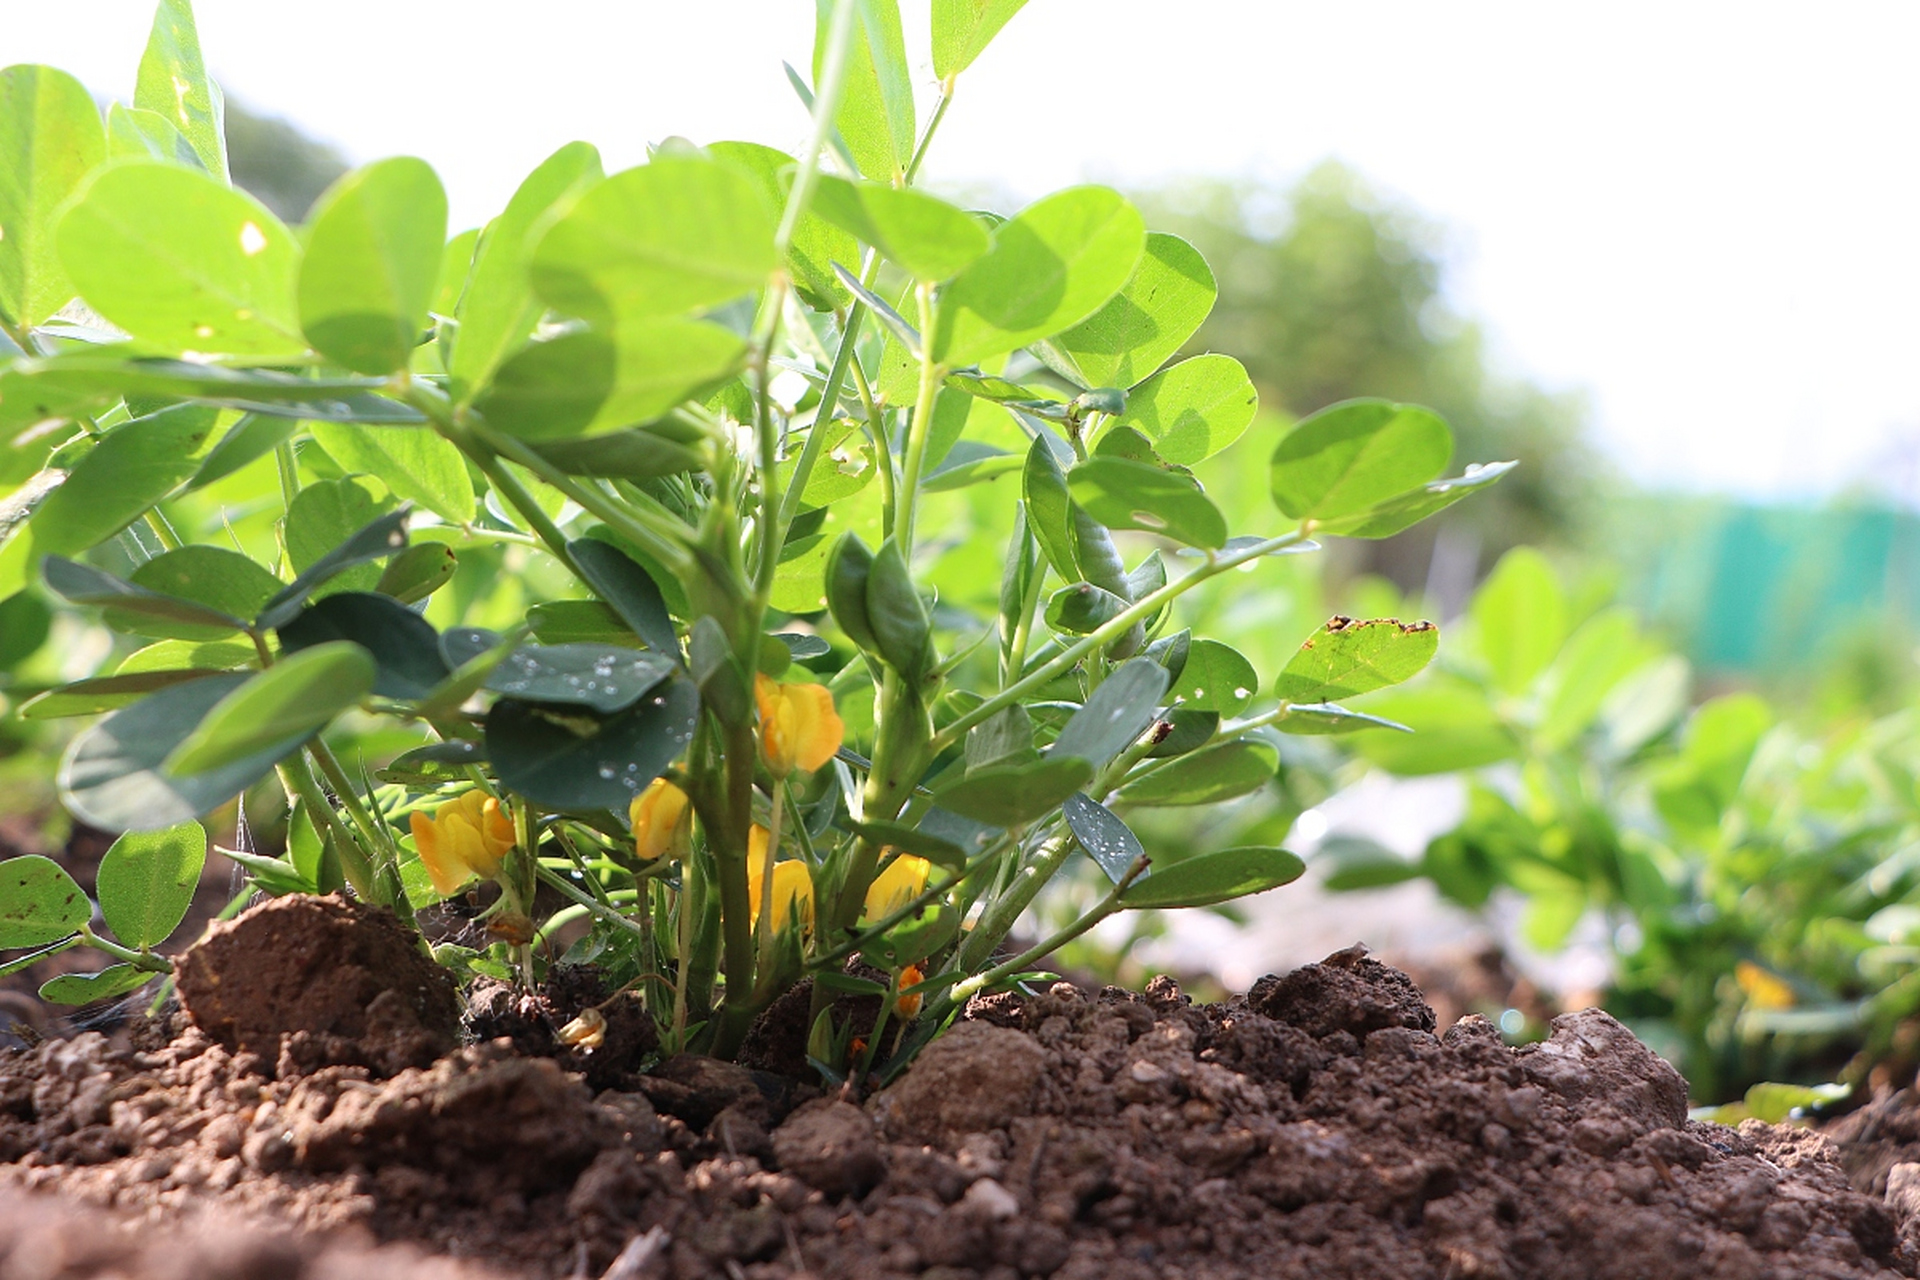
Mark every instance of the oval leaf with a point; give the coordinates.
(1194, 409)
(222, 580)
(1352, 456)
(605, 678)
(1107, 840)
(1012, 794)
(287, 703)
(580, 761)
(147, 881)
(1212, 878)
(1141, 327)
(50, 139)
(1346, 658)
(1216, 678)
(39, 902)
(418, 466)
(1217, 773)
(1123, 494)
(85, 988)
(372, 264)
(923, 235)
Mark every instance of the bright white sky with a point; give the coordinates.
(1702, 214)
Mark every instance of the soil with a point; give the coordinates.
(1317, 1127)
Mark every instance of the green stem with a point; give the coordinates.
(1004, 911)
(1106, 634)
(961, 991)
(138, 959)
(386, 872)
(933, 127)
(882, 450)
(829, 403)
(586, 901)
(826, 101)
(918, 430)
(354, 866)
(768, 441)
(162, 529)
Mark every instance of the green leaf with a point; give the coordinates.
(1350, 457)
(498, 309)
(85, 988)
(817, 244)
(419, 466)
(102, 693)
(603, 678)
(418, 572)
(436, 763)
(1217, 773)
(1453, 726)
(1051, 266)
(898, 835)
(1322, 718)
(1115, 714)
(1081, 608)
(923, 235)
(84, 584)
(288, 702)
(147, 881)
(846, 464)
(1009, 795)
(1050, 508)
(1142, 326)
(175, 655)
(1123, 494)
(629, 590)
(404, 647)
(246, 441)
(1212, 878)
(1107, 840)
(21, 963)
(914, 939)
(1188, 731)
(173, 83)
(576, 621)
(1005, 735)
(50, 139)
(1777, 1103)
(224, 581)
(372, 264)
(1194, 409)
(580, 761)
(82, 380)
(311, 521)
(660, 240)
(584, 381)
(1520, 618)
(1596, 658)
(39, 902)
(849, 568)
(112, 775)
(962, 30)
(620, 455)
(875, 113)
(1409, 509)
(902, 628)
(1216, 678)
(1345, 658)
(183, 263)
(132, 468)
(134, 133)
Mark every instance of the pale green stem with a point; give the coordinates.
(138, 959)
(933, 127)
(587, 902)
(826, 101)
(299, 780)
(921, 427)
(1113, 629)
(961, 991)
(1005, 910)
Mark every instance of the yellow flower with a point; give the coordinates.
(658, 815)
(798, 725)
(903, 880)
(909, 1006)
(465, 837)
(1764, 990)
(792, 885)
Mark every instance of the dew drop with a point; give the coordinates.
(606, 772)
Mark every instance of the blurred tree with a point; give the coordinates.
(1330, 291)
(279, 165)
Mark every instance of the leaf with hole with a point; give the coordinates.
(574, 760)
(39, 902)
(1346, 658)
(1123, 494)
(1211, 878)
(183, 263)
(147, 880)
(173, 83)
(1216, 677)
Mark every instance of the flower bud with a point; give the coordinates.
(900, 882)
(799, 727)
(792, 886)
(658, 815)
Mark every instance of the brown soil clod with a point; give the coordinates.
(306, 982)
(1317, 1128)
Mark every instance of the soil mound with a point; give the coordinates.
(1315, 1129)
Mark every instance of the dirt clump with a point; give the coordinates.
(532, 1021)
(306, 982)
(1315, 1129)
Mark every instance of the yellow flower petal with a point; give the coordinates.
(466, 837)
(1764, 990)
(792, 889)
(799, 727)
(656, 815)
(900, 882)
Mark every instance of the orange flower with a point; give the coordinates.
(465, 837)
(792, 885)
(909, 1006)
(798, 726)
(903, 880)
(658, 815)
(1763, 990)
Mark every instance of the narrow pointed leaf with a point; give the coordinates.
(173, 83)
(1115, 714)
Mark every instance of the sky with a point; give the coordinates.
(1701, 216)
